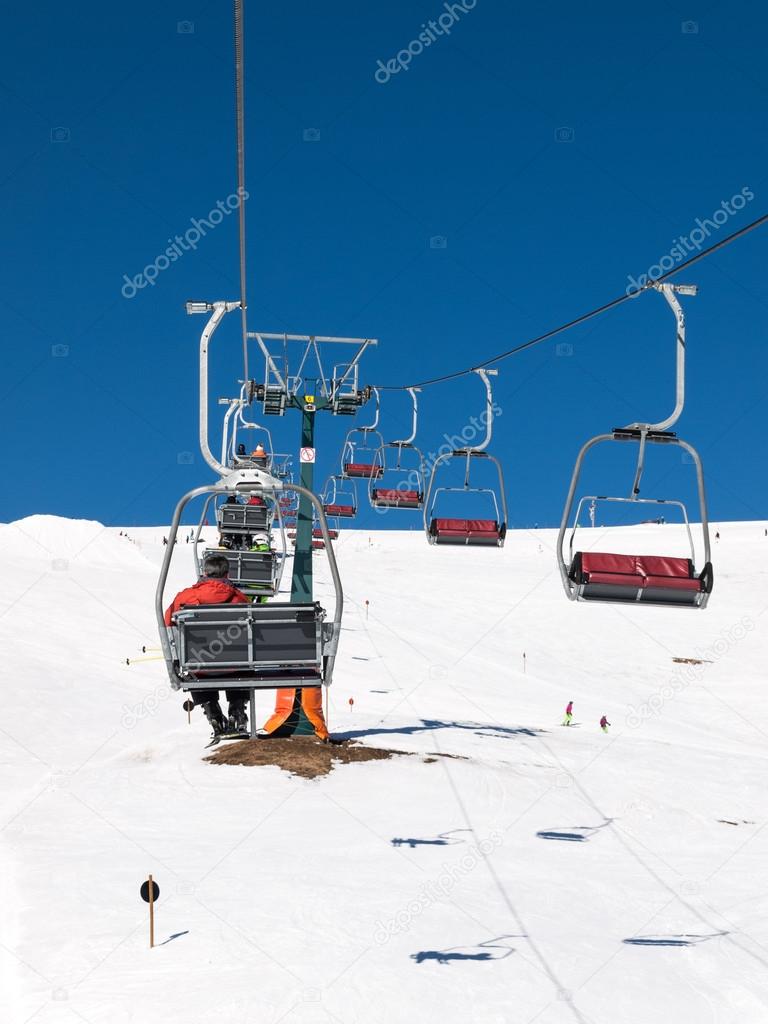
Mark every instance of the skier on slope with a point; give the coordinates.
(604, 723)
(214, 588)
(568, 713)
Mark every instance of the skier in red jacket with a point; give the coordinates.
(604, 723)
(214, 588)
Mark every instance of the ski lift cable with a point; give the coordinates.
(585, 316)
(240, 122)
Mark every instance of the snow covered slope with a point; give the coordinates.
(540, 873)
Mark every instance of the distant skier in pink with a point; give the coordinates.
(604, 723)
(568, 713)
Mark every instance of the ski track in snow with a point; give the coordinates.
(542, 874)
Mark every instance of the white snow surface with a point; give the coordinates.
(538, 874)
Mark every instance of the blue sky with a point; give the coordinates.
(556, 149)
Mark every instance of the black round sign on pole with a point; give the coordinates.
(145, 892)
(188, 705)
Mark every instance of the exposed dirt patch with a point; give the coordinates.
(299, 755)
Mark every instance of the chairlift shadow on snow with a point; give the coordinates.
(671, 940)
(176, 935)
(566, 837)
(442, 839)
(574, 834)
(429, 724)
(481, 953)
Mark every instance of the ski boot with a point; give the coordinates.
(214, 714)
(238, 718)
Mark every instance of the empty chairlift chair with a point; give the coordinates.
(400, 483)
(443, 528)
(644, 579)
(358, 455)
(339, 498)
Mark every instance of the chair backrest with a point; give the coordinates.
(243, 517)
(247, 566)
(249, 637)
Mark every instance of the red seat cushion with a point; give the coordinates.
(673, 583)
(652, 565)
(643, 570)
(392, 494)
(362, 469)
(456, 527)
(339, 510)
(593, 561)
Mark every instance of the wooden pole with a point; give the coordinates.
(151, 913)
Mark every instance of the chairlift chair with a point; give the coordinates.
(641, 579)
(462, 531)
(339, 497)
(253, 572)
(358, 454)
(409, 491)
(248, 646)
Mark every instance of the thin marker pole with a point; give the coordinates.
(151, 913)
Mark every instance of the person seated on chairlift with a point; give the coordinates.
(261, 543)
(232, 499)
(259, 452)
(214, 588)
(241, 451)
